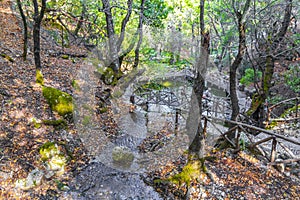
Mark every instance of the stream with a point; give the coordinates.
(153, 128)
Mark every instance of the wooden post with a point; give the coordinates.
(177, 112)
(237, 142)
(297, 108)
(273, 152)
(205, 128)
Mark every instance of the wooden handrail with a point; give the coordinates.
(257, 129)
(284, 101)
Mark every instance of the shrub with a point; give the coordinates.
(250, 76)
(292, 78)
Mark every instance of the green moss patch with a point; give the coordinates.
(39, 77)
(59, 101)
(54, 159)
(75, 85)
(191, 171)
(86, 120)
(7, 57)
(57, 124)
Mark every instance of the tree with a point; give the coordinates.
(37, 17)
(198, 143)
(270, 44)
(140, 31)
(25, 30)
(241, 23)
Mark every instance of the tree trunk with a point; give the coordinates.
(140, 31)
(25, 30)
(79, 23)
(236, 63)
(198, 144)
(113, 49)
(38, 16)
(258, 108)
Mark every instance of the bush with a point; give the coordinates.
(250, 77)
(292, 78)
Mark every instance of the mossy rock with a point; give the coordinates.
(122, 155)
(54, 160)
(48, 150)
(39, 77)
(59, 101)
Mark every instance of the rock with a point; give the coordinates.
(55, 161)
(122, 155)
(34, 178)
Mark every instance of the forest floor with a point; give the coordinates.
(22, 104)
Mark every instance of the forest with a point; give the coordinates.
(140, 99)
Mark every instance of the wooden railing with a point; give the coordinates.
(276, 139)
(293, 102)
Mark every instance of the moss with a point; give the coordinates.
(75, 85)
(53, 158)
(59, 101)
(289, 111)
(48, 150)
(103, 110)
(272, 125)
(39, 77)
(167, 84)
(65, 56)
(88, 107)
(57, 124)
(36, 124)
(86, 120)
(109, 77)
(7, 57)
(190, 172)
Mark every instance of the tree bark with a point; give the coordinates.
(237, 61)
(113, 50)
(140, 31)
(25, 30)
(37, 17)
(198, 144)
(273, 41)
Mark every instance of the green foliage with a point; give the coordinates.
(59, 101)
(153, 85)
(149, 53)
(292, 78)
(39, 77)
(155, 12)
(250, 76)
